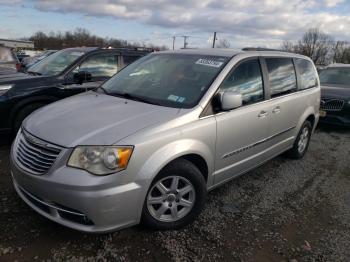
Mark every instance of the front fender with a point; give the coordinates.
(164, 155)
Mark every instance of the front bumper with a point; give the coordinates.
(93, 208)
(338, 118)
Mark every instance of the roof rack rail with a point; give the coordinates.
(261, 49)
(133, 48)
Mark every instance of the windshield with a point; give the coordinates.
(174, 80)
(335, 76)
(55, 63)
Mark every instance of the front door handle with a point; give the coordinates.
(262, 114)
(276, 110)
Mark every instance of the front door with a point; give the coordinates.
(242, 132)
(100, 66)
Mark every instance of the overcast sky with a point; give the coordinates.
(243, 22)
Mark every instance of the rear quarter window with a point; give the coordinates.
(282, 76)
(307, 73)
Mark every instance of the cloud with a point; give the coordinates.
(268, 21)
(333, 3)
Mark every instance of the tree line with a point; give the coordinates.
(322, 48)
(80, 37)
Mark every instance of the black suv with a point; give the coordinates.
(64, 73)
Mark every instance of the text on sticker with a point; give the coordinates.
(208, 62)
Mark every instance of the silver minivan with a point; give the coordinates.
(150, 143)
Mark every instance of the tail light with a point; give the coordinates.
(18, 67)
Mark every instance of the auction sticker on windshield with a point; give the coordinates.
(209, 62)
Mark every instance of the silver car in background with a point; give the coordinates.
(150, 143)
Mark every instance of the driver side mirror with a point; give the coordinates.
(229, 100)
(82, 77)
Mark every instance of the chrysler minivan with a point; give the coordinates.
(150, 143)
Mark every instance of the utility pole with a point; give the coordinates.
(185, 41)
(174, 37)
(214, 39)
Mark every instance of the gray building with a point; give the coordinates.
(16, 43)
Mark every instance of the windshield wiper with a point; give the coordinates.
(133, 97)
(34, 73)
(104, 90)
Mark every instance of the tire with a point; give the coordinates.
(301, 143)
(172, 198)
(23, 113)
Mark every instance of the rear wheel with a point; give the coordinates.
(23, 113)
(176, 196)
(302, 141)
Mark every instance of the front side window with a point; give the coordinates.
(56, 63)
(100, 65)
(246, 79)
(128, 59)
(174, 80)
(308, 75)
(335, 76)
(281, 76)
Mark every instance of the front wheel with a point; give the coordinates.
(175, 197)
(302, 141)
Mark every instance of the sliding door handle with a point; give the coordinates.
(276, 110)
(262, 114)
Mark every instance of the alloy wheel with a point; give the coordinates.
(171, 198)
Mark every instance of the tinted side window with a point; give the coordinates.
(247, 80)
(308, 76)
(101, 65)
(281, 76)
(129, 59)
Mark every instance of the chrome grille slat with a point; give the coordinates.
(34, 155)
(332, 104)
(37, 156)
(25, 163)
(38, 150)
(34, 161)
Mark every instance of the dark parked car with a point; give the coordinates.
(22, 56)
(30, 61)
(8, 61)
(62, 74)
(335, 95)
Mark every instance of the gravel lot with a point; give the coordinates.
(282, 211)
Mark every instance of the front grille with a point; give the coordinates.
(35, 155)
(332, 104)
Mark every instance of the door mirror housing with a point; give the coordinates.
(82, 77)
(230, 100)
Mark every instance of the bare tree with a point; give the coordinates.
(341, 52)
(223, 43)
(79, 37)
(316, 45)
(288, 46)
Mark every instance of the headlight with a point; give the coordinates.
(100, 160)
(4, 89)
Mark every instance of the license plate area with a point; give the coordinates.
(323, 113)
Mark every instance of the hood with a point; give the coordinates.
(94, 119)
(14, 78)
(342, 92)
(7, 70)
